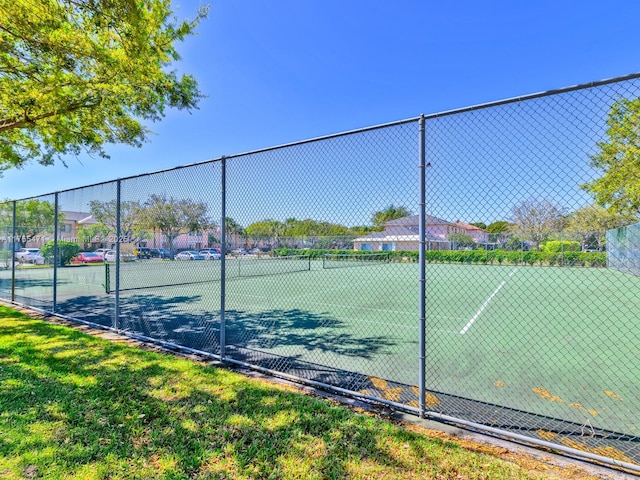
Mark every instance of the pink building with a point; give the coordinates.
(404, 234)
(480, 235)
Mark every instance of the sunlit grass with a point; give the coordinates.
(75, 406)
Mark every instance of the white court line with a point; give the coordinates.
(484, 305)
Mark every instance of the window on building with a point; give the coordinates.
(388, 247)
(365, 246)
(65, 228)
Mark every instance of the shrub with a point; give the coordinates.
(66, 251)
(557, 246)
(478, 257)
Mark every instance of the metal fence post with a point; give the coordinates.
(116, 320)
(55, 255)
(13, 255)
(223, 255)
(422, 258)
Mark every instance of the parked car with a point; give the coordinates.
(110, 256)
(210, 254)
(142, 252)
(26, 254)
(160, 253)
(87, 257)
(29, 255)
(188, 255)
(102, 251)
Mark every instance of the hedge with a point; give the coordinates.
(476, 257)
(66, 251)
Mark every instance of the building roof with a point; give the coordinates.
(398, 234)
(414, 220)
(468, 226)
(75, 216)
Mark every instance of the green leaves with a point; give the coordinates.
(299, 228)
(75, 75)
(619, 159)
(390, 213)
(173, 217)
(33, 217)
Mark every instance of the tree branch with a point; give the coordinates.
(12, 123)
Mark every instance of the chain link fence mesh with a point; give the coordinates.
(339, 326)
(531, 333)
(32, 223)
(305, 260)
(7, 249)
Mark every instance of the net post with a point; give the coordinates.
(107, 281)
(223, 257)
(422, 256)
(116, 320)
(55, 253)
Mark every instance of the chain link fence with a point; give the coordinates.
(453, 266)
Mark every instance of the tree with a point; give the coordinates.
(461, 240)
(232, 227)
(88, 234)
(499, 232)
(302, 228)
(173, 217)
(619, 159)
(592, 222)
(271, 229)
(265, 228)
(498, 227)
(390, 213)
(33, 217)
(66, 251)
(131, 218)
(536, 219)
(76, 74)
(233, 230)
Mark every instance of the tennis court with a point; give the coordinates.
(551, 341)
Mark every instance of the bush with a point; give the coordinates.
(478, 257)
(66, 251)
(558, 246)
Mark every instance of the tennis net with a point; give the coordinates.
(148, 274)
(261, 266)
(342, 260)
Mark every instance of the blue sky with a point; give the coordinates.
(286, 70)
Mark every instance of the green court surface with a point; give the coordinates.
(553, 341)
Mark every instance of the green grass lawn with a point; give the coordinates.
(73, 405)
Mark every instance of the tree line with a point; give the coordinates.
(534, 221)
(537, 221)
(161, 213)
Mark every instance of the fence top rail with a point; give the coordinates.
(359, 130)
(532, 96)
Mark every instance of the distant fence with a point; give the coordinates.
(399, 263)
(623, 249)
